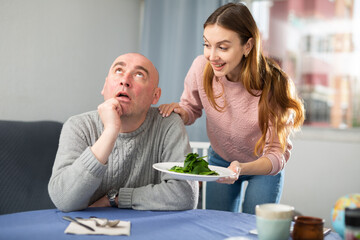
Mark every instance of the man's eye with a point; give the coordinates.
(118, 70)
(139, 75)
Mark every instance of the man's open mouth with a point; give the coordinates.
(123, 95)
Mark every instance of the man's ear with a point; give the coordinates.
(102, 91)
(157, 95)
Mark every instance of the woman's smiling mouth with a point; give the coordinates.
(218, 66)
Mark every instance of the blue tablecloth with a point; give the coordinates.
(191, 224)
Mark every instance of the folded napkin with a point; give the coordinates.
(122, 228)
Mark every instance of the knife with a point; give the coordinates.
(68, 218)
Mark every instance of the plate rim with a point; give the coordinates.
(188, 176)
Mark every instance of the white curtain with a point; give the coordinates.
(171, 38)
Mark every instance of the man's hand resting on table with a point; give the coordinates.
(103, 202)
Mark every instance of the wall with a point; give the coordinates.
(324, 166)
(55, 55)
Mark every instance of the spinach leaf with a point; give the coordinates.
(194, 164)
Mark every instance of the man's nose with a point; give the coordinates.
(126, 80)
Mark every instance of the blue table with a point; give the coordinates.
(191, 224)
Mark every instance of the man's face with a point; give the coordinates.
(133, 81)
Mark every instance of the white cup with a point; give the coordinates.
(273, 221)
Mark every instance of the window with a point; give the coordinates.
(317, 42)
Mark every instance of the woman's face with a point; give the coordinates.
(223, 49)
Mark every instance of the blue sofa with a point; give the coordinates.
(27, 154)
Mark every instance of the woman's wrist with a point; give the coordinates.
(261, 166)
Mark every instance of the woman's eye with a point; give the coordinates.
(223, 48)
(205, 45)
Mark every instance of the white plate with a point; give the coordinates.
(165, 166)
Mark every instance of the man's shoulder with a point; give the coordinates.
(83, 118)
(174, 118)
(161, 124)
(90, 114)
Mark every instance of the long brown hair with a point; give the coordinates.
(261, 76)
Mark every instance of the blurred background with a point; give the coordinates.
(55, 55)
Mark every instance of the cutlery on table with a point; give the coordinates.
(68, 218)
(105, 222)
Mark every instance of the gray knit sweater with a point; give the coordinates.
(79, 179)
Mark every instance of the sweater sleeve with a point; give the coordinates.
(76, 172)
(275, 154)
(190, 99)
(169, 194)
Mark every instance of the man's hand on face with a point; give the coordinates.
(110, 112)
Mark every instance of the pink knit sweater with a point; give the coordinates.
(234, 132)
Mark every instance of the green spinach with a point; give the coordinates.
(194, 164)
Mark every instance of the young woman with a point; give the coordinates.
(251, 109)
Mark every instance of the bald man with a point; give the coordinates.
(105, 157)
